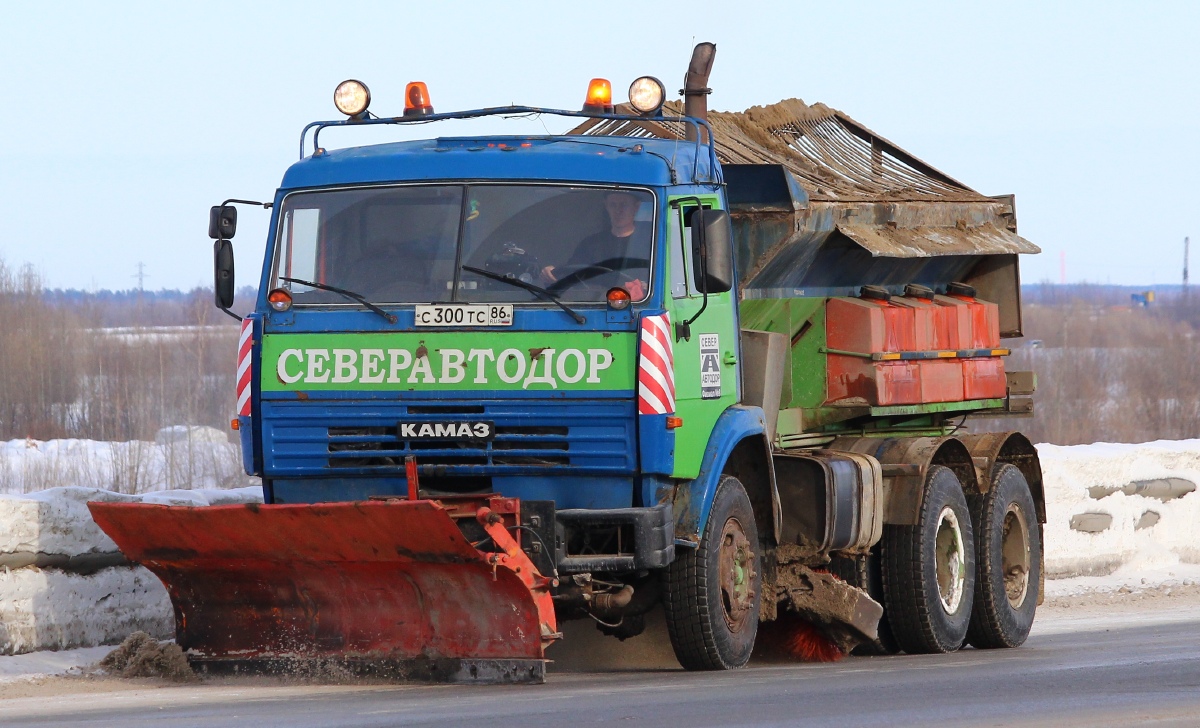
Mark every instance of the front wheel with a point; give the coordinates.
(713, 591)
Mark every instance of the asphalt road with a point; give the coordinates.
(1115, 670)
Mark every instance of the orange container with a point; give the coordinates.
(897, 382)
(868, 326)
(941, 380)
(848, 377)
(923, 315)
(876, 384)
(984, 378)
(984, 317)
(954, 326)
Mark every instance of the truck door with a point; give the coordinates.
(706, 380)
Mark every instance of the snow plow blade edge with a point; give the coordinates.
(391, 583)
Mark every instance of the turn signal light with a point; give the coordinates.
(280, 299)
(674, 423)
(618, 298)
(234, 424)
(599, 96)
(416, 99)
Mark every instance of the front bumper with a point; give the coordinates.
(614, 540)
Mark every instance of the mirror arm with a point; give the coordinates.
(232, 201)
(231, 313)
(683, 329)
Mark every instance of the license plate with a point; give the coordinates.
(475, 431)
(464, 315)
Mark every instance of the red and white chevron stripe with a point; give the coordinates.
(245, 344)
(656, 367)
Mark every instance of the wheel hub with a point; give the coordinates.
(1014, 555)
(951, 561)
(735, 561)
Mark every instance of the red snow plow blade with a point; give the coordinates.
(392, 586)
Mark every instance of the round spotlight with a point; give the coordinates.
(352, 97)
(646, 95)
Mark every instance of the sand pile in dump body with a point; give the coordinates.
(140, 655)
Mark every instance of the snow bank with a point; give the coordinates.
(180, 457)
(61, 608)
(57, 520)
(1124, 510)
(44, 609)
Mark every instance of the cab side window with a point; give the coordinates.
(679, 238)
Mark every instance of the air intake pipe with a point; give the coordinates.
(695, 85)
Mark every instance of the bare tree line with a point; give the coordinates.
(1106, 371)
(62, 376)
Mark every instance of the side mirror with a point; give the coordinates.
(223, 282)
(222, 222)
(712, 248)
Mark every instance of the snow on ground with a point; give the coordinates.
(1121, 515)
(35, 665)
(180, 457)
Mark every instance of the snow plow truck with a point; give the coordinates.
(713, 361)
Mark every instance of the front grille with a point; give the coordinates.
(530, 436)
(359, 447)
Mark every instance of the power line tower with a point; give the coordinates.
(1185, 269)
(142, 275)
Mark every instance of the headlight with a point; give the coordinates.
(280, 299)
(618, 298)
(646, 95)
(352, 97)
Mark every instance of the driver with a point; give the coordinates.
(617, 247)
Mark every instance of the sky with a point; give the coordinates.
(124, 122)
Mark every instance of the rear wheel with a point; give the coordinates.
(929, 570)
(1008, 558)
(713, 591)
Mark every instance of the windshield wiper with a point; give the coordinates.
(343, 292)
(536, 290)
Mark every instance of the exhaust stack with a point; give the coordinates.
(695, 85)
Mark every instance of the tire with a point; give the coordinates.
(864, 572)
(1008, 558)
(713, 591)
(929, 570)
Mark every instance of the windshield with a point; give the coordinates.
(415, 244)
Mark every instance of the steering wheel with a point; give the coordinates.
(512, 260)
(584, 273)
